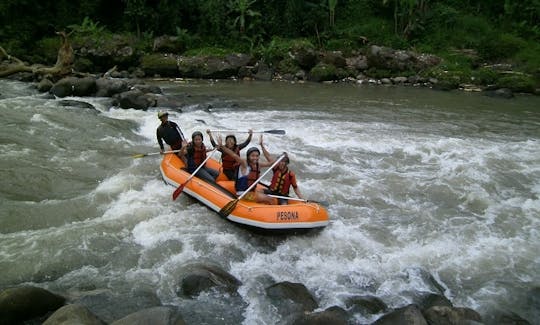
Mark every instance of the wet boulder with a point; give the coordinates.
(200, 277)
(72, 86)
(333, 315)
(25, 303)
(110, 306)
(366, 305)
(451, 315)
(291, 298)
(410, 314)
(73, 314)
(107, 87)
(135, 99)
(163, 315)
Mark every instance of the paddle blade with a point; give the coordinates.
(323, 203)
(178, 191)
(139, 155)
(228, 208)
(275, 131)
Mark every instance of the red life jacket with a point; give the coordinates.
(228, 162)
(281, 181)
(195, 156)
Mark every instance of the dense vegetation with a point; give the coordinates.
(466, 33)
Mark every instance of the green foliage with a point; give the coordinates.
(88, 28)
(288, 65)
(209, 51)
(243, 10)
(528, 58)
(278, 48)
(465, 33)
(518, 83)
(484, 76)
(500, 46)
(323, 72)
(46, 50)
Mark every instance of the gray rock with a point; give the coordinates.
(73, 314)
(291, 297)
(201, 277)
(163, 315)
(408, 315)
(25, 303)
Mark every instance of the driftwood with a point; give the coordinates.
(63, 66)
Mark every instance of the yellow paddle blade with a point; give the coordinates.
(139, 155)
(228, 208)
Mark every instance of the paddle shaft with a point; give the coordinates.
(155, 153)
(260, 178)
(239, 131)
(178, 191)
(229, 207)
(296, 199)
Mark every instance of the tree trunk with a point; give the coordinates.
(63, 66)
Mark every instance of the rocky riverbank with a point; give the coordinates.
(294, 302)
(371, 64)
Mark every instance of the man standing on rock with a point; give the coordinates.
(170, 132)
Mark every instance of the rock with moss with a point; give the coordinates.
(163, 65)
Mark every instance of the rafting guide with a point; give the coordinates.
(169, 132)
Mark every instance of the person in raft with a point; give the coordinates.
(283, 178)
(194, 154)
(169, 132)
(248, 172)
(230, 165)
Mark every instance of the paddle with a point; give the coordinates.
(140, 155)
(229, 207)
(323, 203)
(180, 188)
(239, 131)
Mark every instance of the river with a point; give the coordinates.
(418, 182)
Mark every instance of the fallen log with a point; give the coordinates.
(62, 67)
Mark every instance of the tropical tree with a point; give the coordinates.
(408, 16)
(332, 11)
(242, 8)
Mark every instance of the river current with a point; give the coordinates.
(418, 182)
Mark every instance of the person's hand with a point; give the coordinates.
(161, 151)
(208, 131)
(250, 131)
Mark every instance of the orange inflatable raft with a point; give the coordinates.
(296, 215)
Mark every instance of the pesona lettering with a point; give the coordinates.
(286, 215)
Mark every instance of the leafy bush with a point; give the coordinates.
(484, 76)
(288, 65)
(528, 58)
(518, 83)
(278, 48)
(501, 46)
(47, 49)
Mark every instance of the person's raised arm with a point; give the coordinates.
(231, 153)
(211, 138)
(266, 154)
(248, 140)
